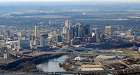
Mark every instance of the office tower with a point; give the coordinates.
(79, 29)
(64, 30)
(97, 34)
(44, 40)
(108, 30)
(23, 43)
(69, 35)
(67, 31)
(96, 30)
(66, 27)
(72, 29)
(86, 31)
(36, 42)
(37, 31)
(75, 31)
(68, 24)
(102, 37)
(32, 37)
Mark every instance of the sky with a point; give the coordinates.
(70, 0)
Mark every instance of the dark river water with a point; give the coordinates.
(52, 65)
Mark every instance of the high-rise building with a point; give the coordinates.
(36, 42)
(67, 31)
(37, 31)
(97, 34)
(96, 30)
(70, 34)
(66, 27)
(64, 30)
(79, 29)
(102, 37)
(108, 30)
(68, 24)
(31, 37)
(86, 30)
(23, 43)
(44, 40)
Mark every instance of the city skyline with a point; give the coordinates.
(70, 0)
(69, 37)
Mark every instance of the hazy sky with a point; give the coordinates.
(70, 0)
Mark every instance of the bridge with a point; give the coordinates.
(98, 72)
(34, 54)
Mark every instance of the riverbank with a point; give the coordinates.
(53, 65)
(23, 68)
(26, 65)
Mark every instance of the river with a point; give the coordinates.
(52, 65)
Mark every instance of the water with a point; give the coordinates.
(52, 65)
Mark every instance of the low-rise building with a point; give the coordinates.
(90, 67)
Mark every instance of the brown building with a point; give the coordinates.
(108, 30)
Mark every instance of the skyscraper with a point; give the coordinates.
(108, 30)
(80, 27)
(67, 24)
(67, 31)
(96, 30)
(66, 27)
(86, 30)
(71, 33)
(44, 40)
(23, 43)
(37, 31)
(97, 34)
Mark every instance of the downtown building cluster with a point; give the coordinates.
(70, 35)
